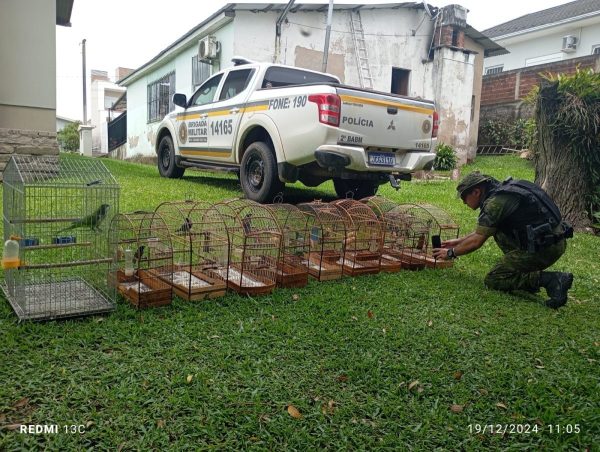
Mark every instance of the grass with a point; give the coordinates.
(374, 362)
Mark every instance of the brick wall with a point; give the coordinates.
(511, 86)
(28, 142)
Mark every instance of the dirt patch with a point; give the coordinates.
(143, 159)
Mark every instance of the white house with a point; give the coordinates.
(555, 34)
(411, 48)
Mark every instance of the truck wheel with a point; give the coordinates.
(356, 189)
(166, 159)
(258, 173)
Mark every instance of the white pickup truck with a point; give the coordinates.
(274, 124)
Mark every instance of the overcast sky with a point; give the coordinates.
(128, 33)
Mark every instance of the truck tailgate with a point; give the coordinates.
(382, 121)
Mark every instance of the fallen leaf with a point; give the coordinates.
(477, 333)
(21, 403)
(354, 318)
(457, 408)
(539, 364)
(413, 384)
(328, 408)
(189, 378)
(597, 344)
(420, 389)
(483, 391)
(161, 423)
(370, 314)
(293, 411)
(88, 424)
(99, 319)
(295, 297)
(430, 323)
(384, 331)
(121, 446)
(501, 405)
(214, 337)
(343, 378)
(458, 375)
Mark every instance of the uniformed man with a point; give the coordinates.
(528, 228)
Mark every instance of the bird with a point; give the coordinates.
(138, 254)
(91, 221)
(185, 227)
(247, 223)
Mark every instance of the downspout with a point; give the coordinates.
(280, 20)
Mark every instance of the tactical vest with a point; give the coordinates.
(536, 222)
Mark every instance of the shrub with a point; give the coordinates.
(445, 157)
(68, 137)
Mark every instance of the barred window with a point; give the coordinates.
(160, 97)
(200, 71)
(494, 70)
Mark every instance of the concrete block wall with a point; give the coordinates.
(25, 142)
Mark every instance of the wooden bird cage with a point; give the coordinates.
(142, 258)
(58, 210)
(394, 233)
(291, 271)
(326, 233)
(432, 221)
(254, 245)
(364, 238)
(200, 243)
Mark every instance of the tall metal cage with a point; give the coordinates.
(327, 232)
(255, 242)
(58, 209)
(393, 231)
(291, 271)
(141, 270)
(364, 238)
(435, 221)
(200, 245)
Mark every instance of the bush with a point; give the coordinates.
(68, 137)
(445, 157)
(517, 133)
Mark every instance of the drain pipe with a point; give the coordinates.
(327, 34)
(280, 20)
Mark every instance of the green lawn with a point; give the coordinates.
(374, 362)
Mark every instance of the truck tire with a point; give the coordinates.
(166, 159)
(258, 173)
(356, 189)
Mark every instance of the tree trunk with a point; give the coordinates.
(557, 169)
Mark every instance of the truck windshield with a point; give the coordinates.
(282, 76)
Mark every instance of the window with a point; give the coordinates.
(235, 83)
(281, 76)
(596, 50)
(494, 69)
(200, 71)
(544, 59)
(400, 81)
(206, 93)
(160, 97)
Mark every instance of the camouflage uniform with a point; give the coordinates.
(518, 269)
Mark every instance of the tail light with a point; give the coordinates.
(436, 124)
(329, 106)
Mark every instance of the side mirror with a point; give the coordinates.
(180, 100)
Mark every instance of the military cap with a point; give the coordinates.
(470, 181)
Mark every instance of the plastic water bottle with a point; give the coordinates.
(128, 255)
(10, 254)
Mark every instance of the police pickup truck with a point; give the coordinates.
(274, 124)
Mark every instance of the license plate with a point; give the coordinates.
(382, 159)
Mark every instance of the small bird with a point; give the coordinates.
(92, 221)
(247, 223)
(185, 227)
(138, 254)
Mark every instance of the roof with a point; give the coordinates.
(562, 13)
(63, 12)
(490, 48)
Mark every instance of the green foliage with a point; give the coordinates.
(68, 137)
(515, 133)
(445, 157)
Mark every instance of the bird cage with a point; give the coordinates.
(58, 211)
(393, 229)
(429, 220)
(254, 244)
(291, 271)
(140, 244)
(364, 238)
(200, 242)
(327, 232)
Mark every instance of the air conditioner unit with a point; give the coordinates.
(569, 44)
(208, 48)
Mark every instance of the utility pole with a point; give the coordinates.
(84, 89)
(327, 33)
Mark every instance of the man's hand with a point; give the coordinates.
(452, 242)
(441, 253)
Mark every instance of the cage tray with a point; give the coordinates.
(195, 285)
(431, 262)
(247, 283)
(323, 269)
(291, 272)
(47, 301)
(143, 290)
(390, 262)
(355, 267)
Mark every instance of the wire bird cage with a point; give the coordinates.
(58, 209)
(200, 243)
(436, 222)
(364, 238)
(327, 232)
(254, 245)
(140, 244)
(291, 272)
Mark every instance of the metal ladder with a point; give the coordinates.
(360, 50)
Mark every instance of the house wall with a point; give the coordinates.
(547, 44)
(104, 93)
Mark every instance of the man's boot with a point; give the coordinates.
(557, 284)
